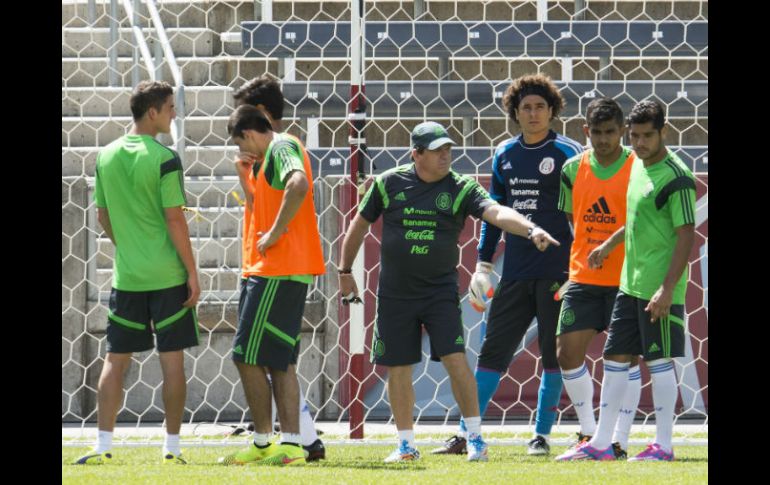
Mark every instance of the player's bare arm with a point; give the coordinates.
(180, 236)
(660, 303)
(600, 253)
(103, 215)
(350, 246)
(297, 187)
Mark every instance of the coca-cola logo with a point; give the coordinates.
(424, 235)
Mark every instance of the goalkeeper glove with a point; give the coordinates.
(480, 289)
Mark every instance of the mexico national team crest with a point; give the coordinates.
(547, 165)
(444, 201)
(379, 348)
(567, 317)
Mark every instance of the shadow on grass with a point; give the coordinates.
(367, 465)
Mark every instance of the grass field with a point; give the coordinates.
(362, 464)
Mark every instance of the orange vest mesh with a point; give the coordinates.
(594, 223)
(298, 250)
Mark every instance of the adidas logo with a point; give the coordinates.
(400, 196)
(460, 340)
(653, 348)
(600, 212)
(507, 166)
(238, 350)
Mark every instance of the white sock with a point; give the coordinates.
(103, 441)
(628, 408)
(306, 423)
(535, 435)
(580, 389)
(274, 413)
(614, 386)
(291, 438)
(664, 393)
(406, 434)
(261, 439)
(474, 426)
(171, 445)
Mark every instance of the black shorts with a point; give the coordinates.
(135, 315)
(269, 322)
(513, 307)
(632, 333)
(397, 336)
(586, 307)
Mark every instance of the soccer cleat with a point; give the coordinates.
(172, 459)
(250, 454)
(477, 449)
(582, 438)
(538, 446)
(316, 451)
(654, 452)
(94, 458)
(285, 455)
(620, 453)
(584, 451)
(403, 453)
(456, 445)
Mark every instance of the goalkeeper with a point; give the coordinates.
(525, 176)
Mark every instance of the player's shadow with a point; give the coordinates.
(367, 465)
(699, 459)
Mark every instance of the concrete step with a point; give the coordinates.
(99, 131)
(196, 71)
(204, 161)
(95, 42)
(215, 162)
(233, 71)
(209, 252)
(401, 98)
(210, 279)
(221, 14)
(90, 101)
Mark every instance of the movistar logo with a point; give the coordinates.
(400, 196)
(408, 211)
(600, 212)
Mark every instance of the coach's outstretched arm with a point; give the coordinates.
(350, 246)
(512, 221)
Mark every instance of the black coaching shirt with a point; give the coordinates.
(421, 227)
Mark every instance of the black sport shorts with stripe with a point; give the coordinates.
(632, 333)
(269, 322)
(586, 307)
(397, 336)
(135, 315)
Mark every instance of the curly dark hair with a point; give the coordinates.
(538, 84)
(648, 111)
(149, 94)
(262, 90)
